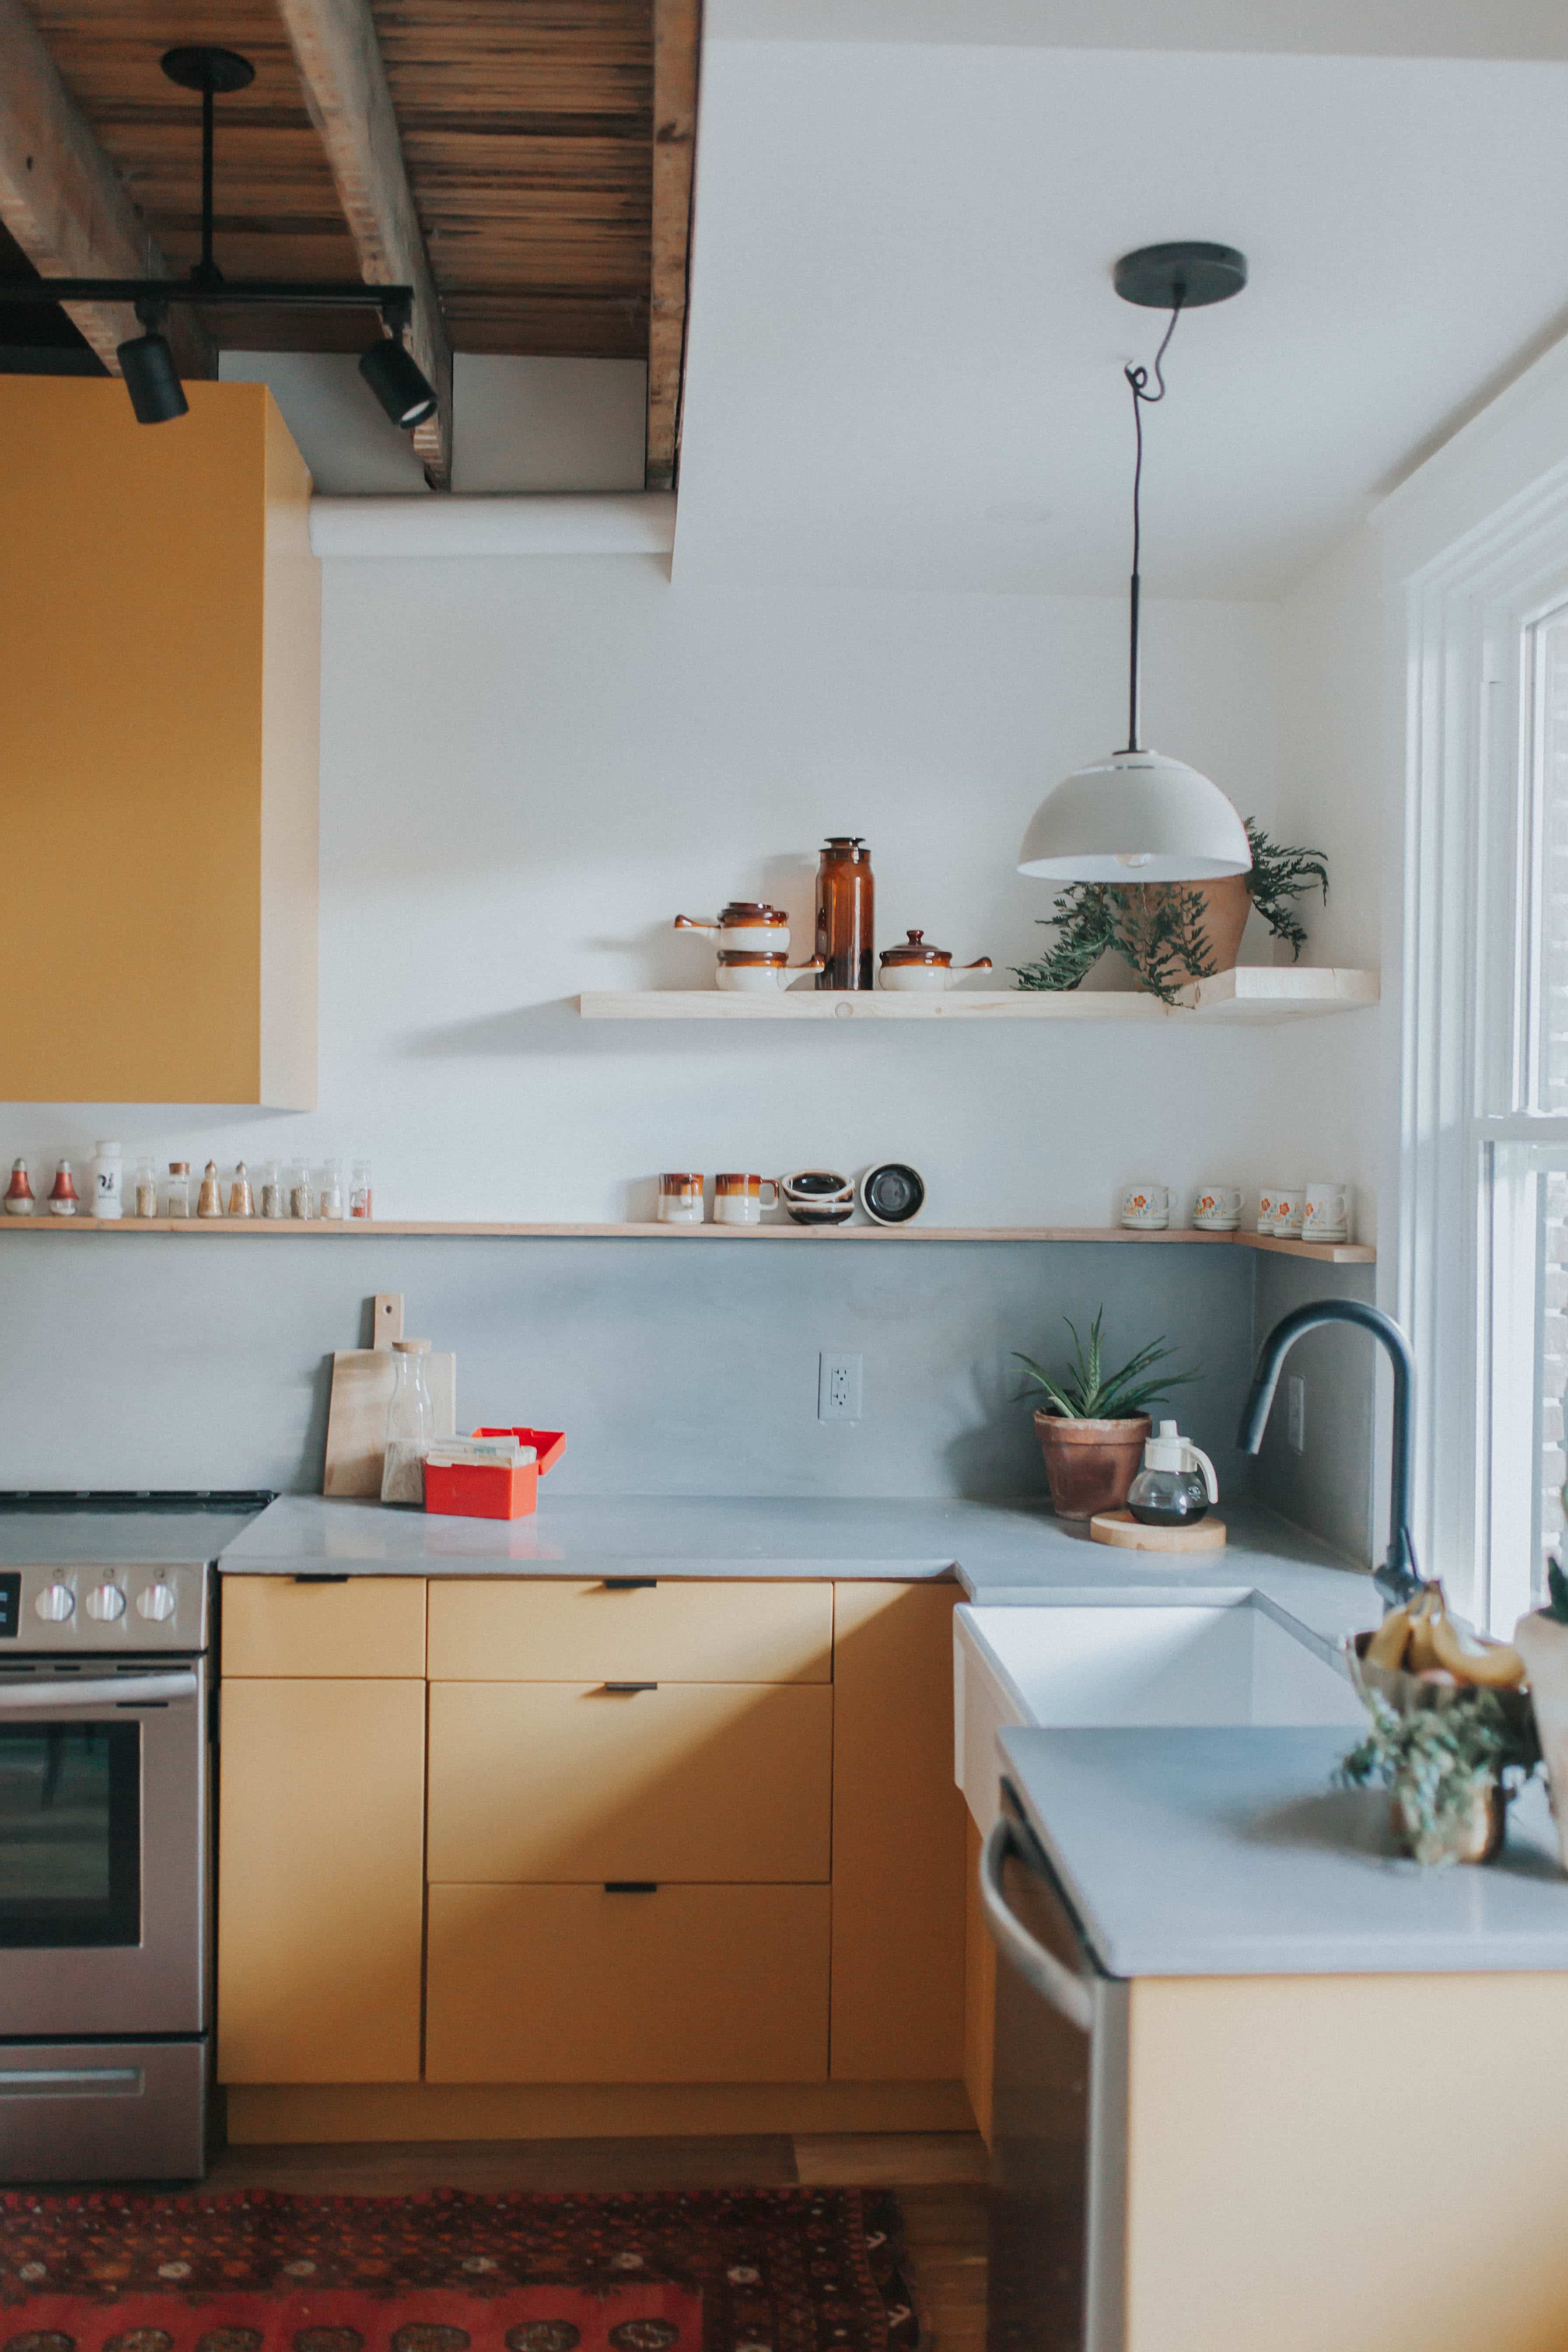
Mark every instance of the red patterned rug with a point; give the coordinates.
(774, 2270)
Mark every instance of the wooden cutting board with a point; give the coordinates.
(1119, 1528)
(356, 1419)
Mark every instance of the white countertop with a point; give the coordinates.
(1228, 1852)
(1008, 1553)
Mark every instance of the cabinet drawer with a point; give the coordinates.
(568, 1984)
(372, 1625)
(554, 1630)
(569, 1780)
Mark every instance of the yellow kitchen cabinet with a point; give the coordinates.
(898, 1838)
(575, 1984)
(159, 742)
(553, 1629)
(541, 1781)
(367, 1628)
(321, 1881)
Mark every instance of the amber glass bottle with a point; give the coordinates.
(846, 907)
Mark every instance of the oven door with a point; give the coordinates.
(103, 1846)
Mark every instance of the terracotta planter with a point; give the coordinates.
(1090, 1463)
(1226, 905)
(1478, 1837)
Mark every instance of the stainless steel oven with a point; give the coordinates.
(105, 1836)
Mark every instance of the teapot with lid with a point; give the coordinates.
(1176, 1484)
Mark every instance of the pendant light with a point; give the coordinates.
(1136, 815)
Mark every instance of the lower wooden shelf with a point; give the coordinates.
(435, 1229)
(1251, 992)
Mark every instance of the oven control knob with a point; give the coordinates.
(106, 1602)
(55, 1603)
(156, 1601)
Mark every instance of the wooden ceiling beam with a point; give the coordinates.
(66, 205)
(677, 44)
(340, 64)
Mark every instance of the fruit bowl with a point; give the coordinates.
(1407, 1693)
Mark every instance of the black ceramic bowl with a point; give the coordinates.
(891, 1194)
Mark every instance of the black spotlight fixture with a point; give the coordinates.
(147, 364)
(395, 375)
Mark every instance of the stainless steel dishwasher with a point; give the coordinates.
(1059, 2114)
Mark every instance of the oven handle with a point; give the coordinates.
(1040, 1969)
(113, 1690)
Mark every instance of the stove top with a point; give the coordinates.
(91, 1572)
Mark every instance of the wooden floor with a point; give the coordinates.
(940, 2177)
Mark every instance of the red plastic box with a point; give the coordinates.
(495, 1492)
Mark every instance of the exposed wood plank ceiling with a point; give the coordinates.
(527, 131)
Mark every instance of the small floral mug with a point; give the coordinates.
(1287, 1211)
(1218, 1207)
(1146, 1205)
(1325, 1212)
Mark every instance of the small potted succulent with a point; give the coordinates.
(1093, 1424)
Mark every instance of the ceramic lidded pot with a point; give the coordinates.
(748, 924)
(746, 974)
(816, 1196)
(918, 970)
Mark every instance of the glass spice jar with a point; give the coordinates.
(360, 1196)
(845, 910)
(331, 1203)
(301, 1196)
(241, 1201)
(178, 1195)
(274, 1202)
(144, 1192)
(209, 1200)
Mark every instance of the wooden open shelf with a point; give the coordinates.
(1252, 993)
(345, 1229)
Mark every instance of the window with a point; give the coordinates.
(1482, 1278)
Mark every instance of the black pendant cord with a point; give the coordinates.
(206, 271)
(1138, 378)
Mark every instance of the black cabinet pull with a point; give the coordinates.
(631, 1886)
(628, 1690)
(310, 1576)
(629, 1583)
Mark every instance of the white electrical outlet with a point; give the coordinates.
(837, 1388)
(1296, 1411)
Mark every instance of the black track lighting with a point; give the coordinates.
(397, 381)
(147, 364)
(146, 361)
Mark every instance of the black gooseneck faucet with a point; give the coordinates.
(1398, 1580)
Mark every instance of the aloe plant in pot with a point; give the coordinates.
(1093, 1424)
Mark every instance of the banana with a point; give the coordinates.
(1494, 1665)
(1427, 1607)
(1387, 1647)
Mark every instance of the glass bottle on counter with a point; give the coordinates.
(145, 1189)
(274, 1202)
(410, 1426)
(301, 1194)
(331, 1201)
(177, 1197)
(846, 912)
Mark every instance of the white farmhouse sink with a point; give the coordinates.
(1161, 1663)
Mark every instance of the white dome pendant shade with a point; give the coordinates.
(1136, 817)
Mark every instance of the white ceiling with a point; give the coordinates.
(905, 354)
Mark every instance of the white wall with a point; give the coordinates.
(528, 768)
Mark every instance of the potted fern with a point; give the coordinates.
(1174, 932)
(1093, 1424)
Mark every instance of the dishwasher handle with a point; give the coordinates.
(1040, 1969)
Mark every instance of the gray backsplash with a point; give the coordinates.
(674, 1367)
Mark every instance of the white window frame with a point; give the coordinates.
(1470, 1146)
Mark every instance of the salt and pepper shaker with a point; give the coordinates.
(108, 1177)
(209, 1201)
(240, 1201)
(19, 1200)
(64, 1199)
(177, 1199)
(147, 1189)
